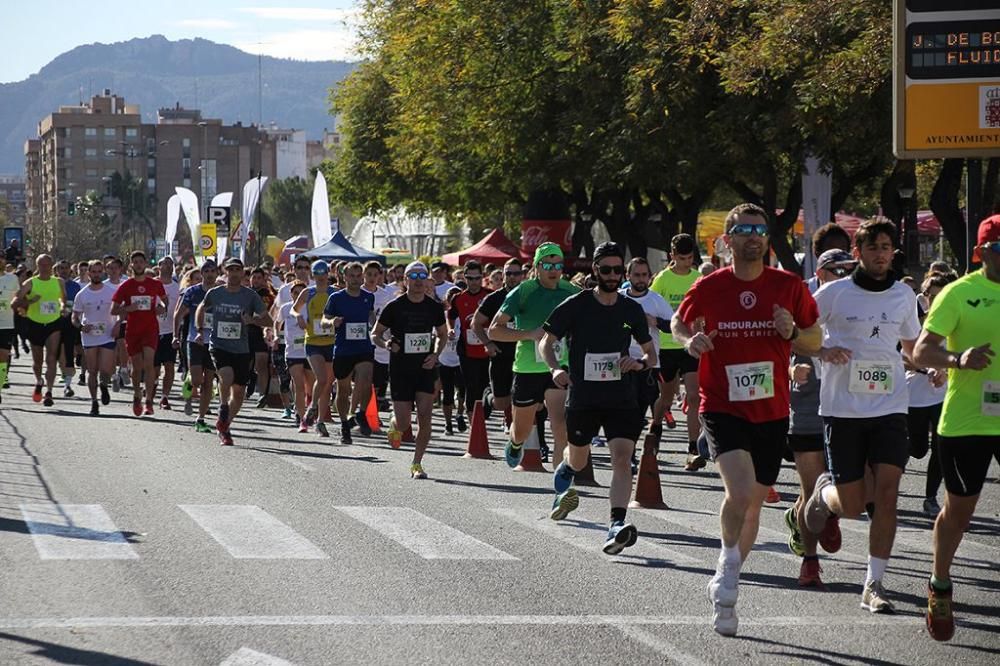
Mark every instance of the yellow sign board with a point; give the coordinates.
(207, 243)
(946, 78)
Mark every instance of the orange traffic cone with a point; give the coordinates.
(371, 413)
(531, 461)
(585, 477)
(648, 494)
(479, 443)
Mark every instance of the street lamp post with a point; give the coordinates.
(911, 238)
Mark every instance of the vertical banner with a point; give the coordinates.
(173, 216)
(252, 191)
(189, 204)
(817, 188)
(207, 240)
(322, 231)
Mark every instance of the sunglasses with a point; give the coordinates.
(608, 270)
(993, 247)
(839, 271)
(747, 229)
(417, 275)
(513, 273)
(550, 266)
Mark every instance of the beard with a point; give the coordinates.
(640, 289)
(609, 286)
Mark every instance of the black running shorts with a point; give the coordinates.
(583, 425)
(674, 362)
(853, 444)
(765, 442)
(965, 461)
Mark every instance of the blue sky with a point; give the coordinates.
(36, 31)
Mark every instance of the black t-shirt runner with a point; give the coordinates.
(413, 328)
(489, 308)
(599, 335)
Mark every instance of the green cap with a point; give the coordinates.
(547, 249)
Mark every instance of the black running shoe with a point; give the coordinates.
(94, 409)
(105, 395)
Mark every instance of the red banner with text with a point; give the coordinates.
(536, 232)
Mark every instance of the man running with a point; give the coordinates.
(70, 334)
(528, 306)
(964, 316)
(92, 315)
(676, 365)
(113, 270)
(383, 296)
(472, 354)
(9, 286)
(141, 300)
(165, 357)
(864, 398)
(741, 322)
(501, 353)
(43, 297)
(416, 323)
(233, 308)
(320, 339)
(200, 363)
(601, 393)
(351, 312)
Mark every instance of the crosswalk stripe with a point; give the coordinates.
(75, 532)
(248, 532)
(428, 538)
(247, 657)
(589, 536)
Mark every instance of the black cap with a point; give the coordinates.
(608, 249)
(439, 264)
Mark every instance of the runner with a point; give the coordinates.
(501, 353)
(42, 298)
(351, 313)
(70, 334)
(601, 393)
(528, 306)
(414, 321)
(166, 353)
(320, 339)
(9, 287)
(383, 296)
(258, 341)
(92, 315)
(141, 300)
(963, 319)
(864, 399)
(450, 378)
(676, 365)
(439, 273)
(113, 269)
(295, 355)
(233, 308)
(741, 321)
(472, 354)
(200, 363)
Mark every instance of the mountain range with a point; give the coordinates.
(155, 72)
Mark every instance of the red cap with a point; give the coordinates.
(989, 232)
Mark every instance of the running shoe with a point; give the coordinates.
(513, 453)
(262, 403)
(417, 471)
(302, 426)
(311, 416)
(201, 426)
(82, 379)
(460, 422)
(47, 400)
(564, 503)
(815, 511)
(772, 496)
(621, 535)
(543, 451)
(873, 598)
(830, 538)
(723, 591)
(36, 395)
(345, 433)
(116, 382)
(364, 428)
(940, 621)
(68, 391)
(724, 620)
(448, 430)
(188, 407)
(226, 438)
(669, 419)
(94, 409)
(599, 442)
(562, 478)
(694, 463)
(165, 404)
(809, 574)
(137, 406)
(931, 507)
(105, 396)
(222, 422)
(321, 429)
(287, 414)
(795, 537)
(187, 389)
(395, 438)
(487, 402)
(148, 411)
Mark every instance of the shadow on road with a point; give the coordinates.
(312, 454)
(62, 654)
(807, 654)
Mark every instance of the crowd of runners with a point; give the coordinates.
(847, 375)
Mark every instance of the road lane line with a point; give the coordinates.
(75, 532)
(589, 536)
(248, 532)
(428, 538)
(659, 645)
(920, 541)
(247, 657)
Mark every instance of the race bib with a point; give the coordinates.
(417, 343)
(48, 307)
(209, 320)
(870, 377)
(356, 330)
(602, 367)
(229, 330)
(319, 328)
(142, 302)
(991, 398)
(558, 347)
(451, 346)
(750, 381)
(295, 344)
(471, 338)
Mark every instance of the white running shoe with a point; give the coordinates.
(724, 620)
(723, 591)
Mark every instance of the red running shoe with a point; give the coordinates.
(137, 406)
(940, 621)
(772, 496)
(830, 538)
(809, 575)
(669, 419)
(148, 411)
(36, 395)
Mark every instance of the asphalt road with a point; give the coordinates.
(139, 541)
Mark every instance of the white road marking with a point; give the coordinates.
(660, 645)
(75, 532)
(247, 657)
(249, 532)
(428, 538)
(589, 536)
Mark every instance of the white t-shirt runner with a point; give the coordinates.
(870, 324)
(166, 320)
(9, 286)
(295, 337)
(652, 304)
(95, 306)
(383, 297)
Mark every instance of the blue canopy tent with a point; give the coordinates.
(339, 248)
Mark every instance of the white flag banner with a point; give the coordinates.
(222, 200)
(173, 215)
(222, 244)
(321, 230)
(252, 191)
(189, 204)
(817, 188)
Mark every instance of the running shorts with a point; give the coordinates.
(583, 425)
(239, 363)
(501, 375)
(38, 334)
(405, 381)
(165, 352)
(136, 341)
(198, 357)
(965, 461)
(765, 442)
(343, 366)
(674, 362)
(529, 388)
(853, 444)
(326, 351)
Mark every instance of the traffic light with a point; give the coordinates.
(71, 208)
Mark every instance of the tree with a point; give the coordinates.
(287, 208)
(89, 234)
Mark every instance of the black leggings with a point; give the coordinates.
(476, 373)
(922, 423)
(451, 379)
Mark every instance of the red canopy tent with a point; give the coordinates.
(495, 248)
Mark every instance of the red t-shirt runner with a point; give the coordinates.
(464, 306)
(746, 374)
(143, 294)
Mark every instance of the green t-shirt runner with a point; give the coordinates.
(967, 313)
(529, 305)
(672, 287)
